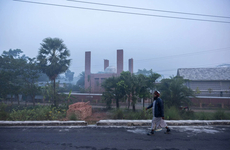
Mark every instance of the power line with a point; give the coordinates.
(123, 12)
(167, 70)
(138, 8)
(220, 49)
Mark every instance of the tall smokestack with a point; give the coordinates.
(119, 61)
(87, 68)
(106, 63)
(131, 66)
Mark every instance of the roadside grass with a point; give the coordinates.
(171, 113)
(31, 113)
(129, 114)
(20, 113)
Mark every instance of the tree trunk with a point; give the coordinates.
(134, 109)
(129, 101)
(55, 102)
(26, 101)
(18, 99)
(33, 100)
(117, 103)
(11, 100)
(152, 96)
(143, 102)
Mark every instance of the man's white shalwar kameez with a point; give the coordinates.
(157, 122)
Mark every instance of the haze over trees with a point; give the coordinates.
(19, 74)
(132, 87)
(129, 86)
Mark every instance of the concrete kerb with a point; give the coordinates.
(115, 123)
(43, 123)
(169, 122)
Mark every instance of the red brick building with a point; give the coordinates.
(93, 80)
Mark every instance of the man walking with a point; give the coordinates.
(158, 114)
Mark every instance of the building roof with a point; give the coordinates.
(220, 73)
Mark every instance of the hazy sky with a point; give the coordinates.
(157, 43)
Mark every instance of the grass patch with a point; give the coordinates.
(73, 117)
(203, 116)
(220, 115)
(130, 115)
(172, 113)
(31, 113)
(3, 114)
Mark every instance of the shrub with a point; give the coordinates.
(172, 113)
(72, 117)
(203, 116)
(130, 115)
(3, 113)
(38, 113)
(187, 115)
(118, 114)
(219, 115)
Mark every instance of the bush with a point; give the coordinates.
(130, 115)
(172, 113)
(203, 116)
(219, 115)
(3, 113)
(187, 115)
(73, 117)
(118, 114)
(38, 113)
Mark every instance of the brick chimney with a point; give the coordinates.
(106, 63)
(87, 68)
(131, 66)
(119, 61)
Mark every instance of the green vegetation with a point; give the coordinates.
(73, 117)
(31, 113)
(171, 113)
(130, 115)
(174, 92)
(52, 60)
(129, 86)
(19, 74)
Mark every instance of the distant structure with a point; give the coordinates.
(207, 81)
(93, 81)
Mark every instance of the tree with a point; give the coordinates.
(144, 72)
(134, 90)
(30, 77)
(144, 92)
(81, 81)
(126, 77)
(115, 88)
(151, 81)
(11, 70)
(174, 92)
(53, 59)
(69, 75)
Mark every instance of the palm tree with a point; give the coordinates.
(144, 92)
(174, 92)
(53, 59)
(152, 78)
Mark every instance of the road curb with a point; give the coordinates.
(43, 123)
(169, 122)
(115, 123)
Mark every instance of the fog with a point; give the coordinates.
(157, 43)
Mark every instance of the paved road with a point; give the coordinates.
(111, 138)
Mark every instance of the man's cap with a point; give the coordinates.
(157, 93)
